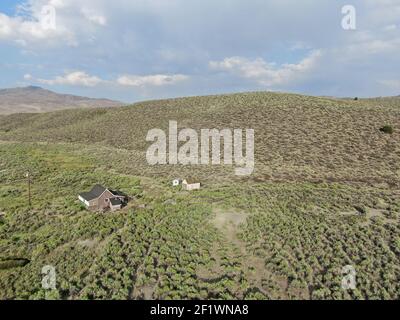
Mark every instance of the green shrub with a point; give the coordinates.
(14, 263)
(361, 209)
(386, 129)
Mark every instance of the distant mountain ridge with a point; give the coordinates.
(34, 99)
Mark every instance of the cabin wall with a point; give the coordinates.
(190, 187)
(85, 202)
(115, 208)
(102, 204)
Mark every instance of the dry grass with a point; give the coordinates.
(298, 138)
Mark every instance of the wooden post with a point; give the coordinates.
(28, 176)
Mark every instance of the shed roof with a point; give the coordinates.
(191, 180)
(116, 201)
(96, 192)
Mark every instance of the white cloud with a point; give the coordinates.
(56, 3)
(300, 45)
(94, 17)
(77, 78)
(390, 27)
(264, 73)
(393, 84)
(6, 26)
(57, 22)
(34, 29)
(382, 12)
(81, 78)
(365, 43)
(151, 80)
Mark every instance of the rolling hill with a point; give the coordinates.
(35, 99)
(296, 137)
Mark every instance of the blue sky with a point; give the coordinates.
(134, 50)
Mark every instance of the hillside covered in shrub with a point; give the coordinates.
(325, 194)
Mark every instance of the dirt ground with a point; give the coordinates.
(229, 222)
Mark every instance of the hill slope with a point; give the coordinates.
(297, 137)
(35, 99)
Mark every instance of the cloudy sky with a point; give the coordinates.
(134, 50)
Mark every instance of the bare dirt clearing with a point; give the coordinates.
(228, 222)
(371, 214)
(260, 279)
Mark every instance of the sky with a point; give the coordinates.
(133, 50)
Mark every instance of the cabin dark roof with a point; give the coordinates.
(117, 193)
(115, 201)
(96, 192)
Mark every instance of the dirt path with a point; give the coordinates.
(228, 222)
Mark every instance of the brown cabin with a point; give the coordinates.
(102, 199)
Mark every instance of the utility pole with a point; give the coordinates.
(28, 176)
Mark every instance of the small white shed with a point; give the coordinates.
(190, 185)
